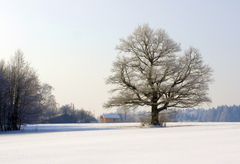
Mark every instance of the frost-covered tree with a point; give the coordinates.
(21, 96)
(23, 99)
(48, 103)
(152, 71)
(24, 89)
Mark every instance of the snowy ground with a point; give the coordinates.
(181, 143)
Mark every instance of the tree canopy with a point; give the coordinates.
(151, 70)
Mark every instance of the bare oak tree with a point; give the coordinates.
(150, 71)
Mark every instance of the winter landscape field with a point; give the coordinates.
(186, 143)
(94, 82)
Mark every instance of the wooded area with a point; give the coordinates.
(24, 99)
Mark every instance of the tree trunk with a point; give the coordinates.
(154, 114)
(16, 113)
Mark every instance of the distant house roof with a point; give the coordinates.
(112, 116)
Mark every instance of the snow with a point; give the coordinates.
(179, 143)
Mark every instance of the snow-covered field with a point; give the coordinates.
(179, 143)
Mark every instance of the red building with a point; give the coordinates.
(110, 118)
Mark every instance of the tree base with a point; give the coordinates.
(161, 124)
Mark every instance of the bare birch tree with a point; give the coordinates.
(152, 71)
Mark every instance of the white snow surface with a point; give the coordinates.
(122, 143)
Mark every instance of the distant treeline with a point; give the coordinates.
(218, 114)
(24, 99)
(68, 114)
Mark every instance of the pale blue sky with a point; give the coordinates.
(71, 43)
